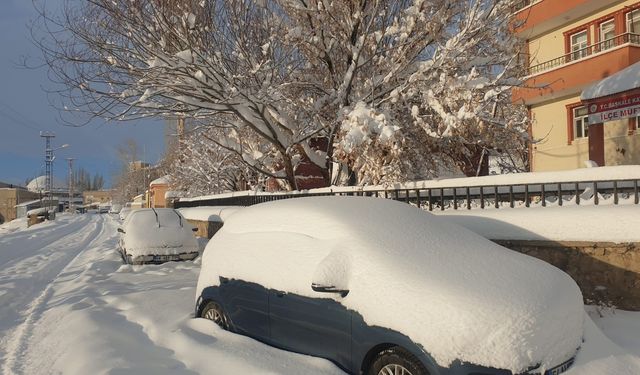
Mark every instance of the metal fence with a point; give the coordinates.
(466, 197)
(602, 46)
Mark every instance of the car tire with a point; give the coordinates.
(396, 361)
(214, 312)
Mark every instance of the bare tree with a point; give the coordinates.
(389, 83)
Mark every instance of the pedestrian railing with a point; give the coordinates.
(543, 194)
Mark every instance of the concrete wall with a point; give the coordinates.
(606, 272)
(9, 198)
(156, 195)
(620, 147)
(206, 228)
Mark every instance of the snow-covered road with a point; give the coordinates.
(31, 260)
(69, 306)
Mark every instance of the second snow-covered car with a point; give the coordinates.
(157, 235)
(380, 287)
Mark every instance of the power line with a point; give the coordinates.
(17, 117)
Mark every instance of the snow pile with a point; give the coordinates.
(575, 223)
(72, 308)
(461, 296)
(68, 306)
(600, 356)
(165, 234)
(213, 213)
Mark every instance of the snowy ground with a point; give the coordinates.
(68, 305)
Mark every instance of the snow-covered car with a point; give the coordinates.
(157, 235)
(381, 287)
(124, 212)
(115, 208)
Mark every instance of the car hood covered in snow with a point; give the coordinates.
(455, 293)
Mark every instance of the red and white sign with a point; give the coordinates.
(613, 108)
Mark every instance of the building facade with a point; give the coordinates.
(96, 197)
(10, 198)
(572, 45)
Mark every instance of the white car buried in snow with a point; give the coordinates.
(157, 235)
(380, 287)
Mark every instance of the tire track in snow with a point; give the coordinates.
(47, 238)
(19, 340)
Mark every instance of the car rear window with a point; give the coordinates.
(147, 218)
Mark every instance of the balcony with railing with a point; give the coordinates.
(579, 54)
(573, 71)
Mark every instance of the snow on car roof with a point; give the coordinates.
(456, 293)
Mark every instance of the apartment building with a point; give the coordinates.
(582, 88)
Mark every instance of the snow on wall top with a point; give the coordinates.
(624, 80)
(460, 296)
(593, 223)
(575, 175)
(214, 213)
(162, 180)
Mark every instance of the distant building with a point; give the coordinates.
(139, 201)
(10, 197)
(572, 47)
(138, 165)
(96, 197)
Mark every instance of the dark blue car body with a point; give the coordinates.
(320, 327)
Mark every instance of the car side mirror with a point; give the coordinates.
(329, 289)
(121, 230)
(194, 229)
(333, 273)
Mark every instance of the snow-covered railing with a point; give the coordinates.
(602, 46)
(613, 185)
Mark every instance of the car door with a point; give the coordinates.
(247, 306)
(317, 326)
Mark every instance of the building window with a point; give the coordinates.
(634, 125)
(579, 45)
(580, 123)
(607, 35)
(633, 22)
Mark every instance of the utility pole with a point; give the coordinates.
(70, 161)
(48, 162)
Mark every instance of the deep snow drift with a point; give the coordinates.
(69, 306)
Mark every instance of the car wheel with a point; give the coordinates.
(397, 361)
(213, 311)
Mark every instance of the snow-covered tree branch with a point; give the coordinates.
(394, 86)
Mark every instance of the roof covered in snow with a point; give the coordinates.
(39, 184)
(162, 180)
(624, 80)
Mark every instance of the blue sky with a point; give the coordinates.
(25, 110)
